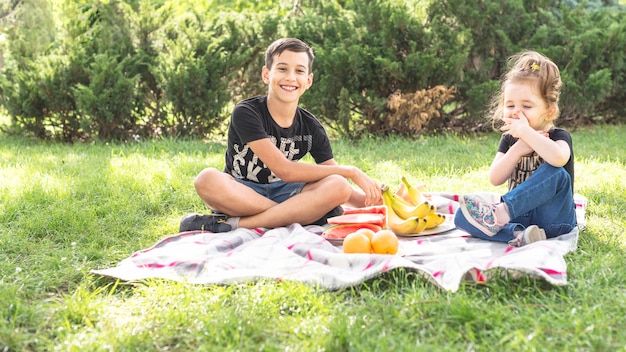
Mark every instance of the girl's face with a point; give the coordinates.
(289, 76)
(524, 98)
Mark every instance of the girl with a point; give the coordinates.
(535, 158)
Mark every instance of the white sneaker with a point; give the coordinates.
(531, 234)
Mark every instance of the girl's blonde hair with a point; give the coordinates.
(535, 67)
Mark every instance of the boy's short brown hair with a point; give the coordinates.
(291, 44)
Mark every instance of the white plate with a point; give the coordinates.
(334, 241)
(445, 227)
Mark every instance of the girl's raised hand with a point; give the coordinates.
(515, 125)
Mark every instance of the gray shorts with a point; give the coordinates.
(278, 191)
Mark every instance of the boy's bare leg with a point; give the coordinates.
(219, 191)
(315, 200)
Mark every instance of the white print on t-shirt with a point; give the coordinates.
(524, 169)
(244, 158)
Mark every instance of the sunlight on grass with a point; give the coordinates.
(68, 209)
(16, 180)
(145, 318)
(388, 170)
(138, 173)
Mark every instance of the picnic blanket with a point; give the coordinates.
(299, 253)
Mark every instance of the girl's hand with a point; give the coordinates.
(515, 125)
(522, 148)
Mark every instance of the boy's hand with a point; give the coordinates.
(373, 193)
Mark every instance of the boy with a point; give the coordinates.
(262, 184)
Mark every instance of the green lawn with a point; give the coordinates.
(68, 209)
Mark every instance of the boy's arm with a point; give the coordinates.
(358, 198)
(292, 171)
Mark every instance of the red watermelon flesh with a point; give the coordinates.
(374, 209)
(359, 218)
(343, 230)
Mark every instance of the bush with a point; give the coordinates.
(193, 76)
(411, 112)
(107, 101)
(369, 52)
(113, 69)
(590, 48)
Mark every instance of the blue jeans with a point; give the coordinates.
(545, 199)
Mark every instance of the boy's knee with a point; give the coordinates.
(205, 176)
(338, 186)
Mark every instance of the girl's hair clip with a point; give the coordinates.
(534, 66)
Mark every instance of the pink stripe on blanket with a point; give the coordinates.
(369, 265)
(156, 265)
(386, 265)
(551, 271)
(479, 276)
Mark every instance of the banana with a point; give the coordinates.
(405, 212)
(422, 225)
(405, 209)
(416, 196)
(434, 220)
(408, 226)
(401, 226)
(432, 210)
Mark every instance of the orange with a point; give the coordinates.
(367, 232)
(357, 243)
(385, 242)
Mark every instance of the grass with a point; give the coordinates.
(68, 209)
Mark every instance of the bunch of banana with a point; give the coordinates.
(398, 224)
(404, 217)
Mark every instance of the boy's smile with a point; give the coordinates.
(289, 76)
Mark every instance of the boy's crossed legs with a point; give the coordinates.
(249, 208)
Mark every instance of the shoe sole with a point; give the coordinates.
(533, 234)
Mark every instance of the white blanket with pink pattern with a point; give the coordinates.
(298, 253)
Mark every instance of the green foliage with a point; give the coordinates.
(29, 25)
(592, 62)
(22, 98)
(182, 64)
(497, 29)
(58, 75)
(107, 101)
(194, 74)
(371, 50)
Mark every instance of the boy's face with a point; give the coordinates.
(289, 76)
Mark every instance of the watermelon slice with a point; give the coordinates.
(360, 218)
(343, 230)
(375, 209)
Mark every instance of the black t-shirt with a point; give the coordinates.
(251, 121)
(529, 163)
